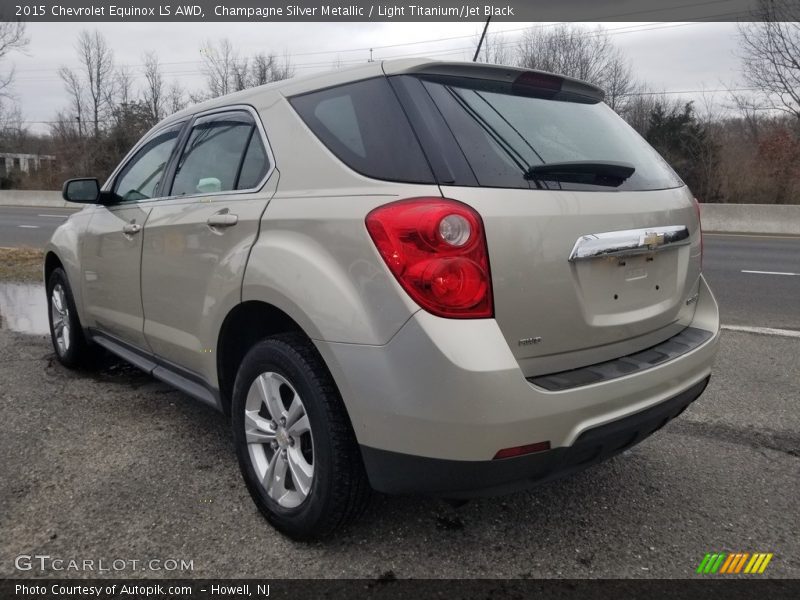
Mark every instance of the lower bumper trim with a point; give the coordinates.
(687, 340)
(396, 473)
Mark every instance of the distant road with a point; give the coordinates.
(29, 226)
(756, 279)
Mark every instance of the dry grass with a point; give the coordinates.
(21, 264)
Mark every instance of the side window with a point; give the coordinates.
(139, 178)
(255, 164)
(219, 148)
(364, 125)
(338, 116)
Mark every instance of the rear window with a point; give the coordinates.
(502, 135)
(364, 125)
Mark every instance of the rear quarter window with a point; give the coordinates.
(364, 125)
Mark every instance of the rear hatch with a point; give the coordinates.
(594, 242)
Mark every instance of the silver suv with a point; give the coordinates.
(416, 277)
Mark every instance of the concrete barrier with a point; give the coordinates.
(45, 199)
(775, 219)
(717, 218)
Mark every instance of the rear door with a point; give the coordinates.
(112, 249)
(585, 267)
(198, 239)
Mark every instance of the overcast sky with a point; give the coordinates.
(668, 56)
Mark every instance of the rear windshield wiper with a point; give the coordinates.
(611, 174)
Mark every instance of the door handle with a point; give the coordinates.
(131, 228)
(222, 220)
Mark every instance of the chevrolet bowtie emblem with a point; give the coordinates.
(653, 239)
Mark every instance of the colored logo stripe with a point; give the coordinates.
(727, 564)
(758, 563)
(734, 562)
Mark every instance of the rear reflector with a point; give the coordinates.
(522, 450)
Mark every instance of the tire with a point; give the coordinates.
(305, 474)
(70, 345)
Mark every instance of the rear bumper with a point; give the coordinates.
(395, 473)
(450, 394)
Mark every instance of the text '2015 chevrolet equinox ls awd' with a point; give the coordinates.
(417, 277)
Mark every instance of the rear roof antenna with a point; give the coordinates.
(480, 43)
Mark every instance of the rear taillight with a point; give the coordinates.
(700, 225)
(436, 248)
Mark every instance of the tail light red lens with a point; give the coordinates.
(436, 248)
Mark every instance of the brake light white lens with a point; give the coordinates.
(436, 248)
(455, 230)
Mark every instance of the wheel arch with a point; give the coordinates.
(246, 324)
(51, 263)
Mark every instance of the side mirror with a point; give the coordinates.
(85, 190)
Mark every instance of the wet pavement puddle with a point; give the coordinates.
(23, 307)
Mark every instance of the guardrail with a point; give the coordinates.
(45, 199)
(776, 219)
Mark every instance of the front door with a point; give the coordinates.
(112, 249)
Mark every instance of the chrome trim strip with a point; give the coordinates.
(109, 184)
(629, 242)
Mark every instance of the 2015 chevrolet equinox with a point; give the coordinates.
(413, 276)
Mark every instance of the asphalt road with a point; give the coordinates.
(117, 465)
(29, 226)
(756, 280)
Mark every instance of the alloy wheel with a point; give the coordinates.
(59, 313)
(279, 440)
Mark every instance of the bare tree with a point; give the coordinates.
(11, 125)
(748, 109)
(240, 75)
(219, 65)
(589, 55)
(619, 83)
(123, 86)
(495, 50)
(567, 50)
(153, 95)
(266, 68)
(92, 92)
(226, 71)
(176, 98)
(771, 56)
(640, 106)
(74, 87)
(12, 37)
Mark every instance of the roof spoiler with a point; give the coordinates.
(522, 80)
